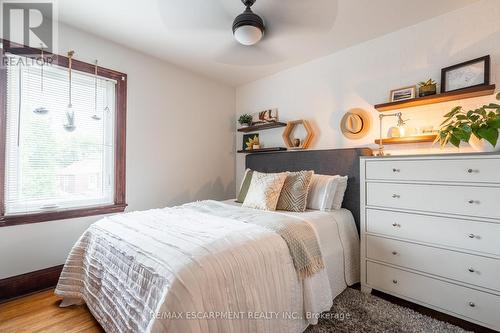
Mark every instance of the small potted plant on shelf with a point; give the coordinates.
(480, 127)
(245, 120)
(427, 88)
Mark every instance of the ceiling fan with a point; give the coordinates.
(283, 22)
(248, 27)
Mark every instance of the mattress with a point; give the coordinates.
(148, 271)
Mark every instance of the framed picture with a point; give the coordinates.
(249, 140)
(402, 94)
(468, 74)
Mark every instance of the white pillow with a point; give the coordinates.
(326, 192)
(339, 191)
(264, 190)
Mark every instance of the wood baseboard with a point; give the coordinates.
(24, 284)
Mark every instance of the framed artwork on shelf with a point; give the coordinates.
(250, 140)
(402, 94)
(467, 74)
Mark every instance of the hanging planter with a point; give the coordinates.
(69, 125)
(41, 109)
(95, 116)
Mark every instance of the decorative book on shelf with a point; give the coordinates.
(477, 91)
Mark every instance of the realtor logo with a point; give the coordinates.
(29, 23)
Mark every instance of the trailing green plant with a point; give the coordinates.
(459, 125)
(429, 82)
(245, 119)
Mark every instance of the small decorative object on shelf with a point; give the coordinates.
(266, 116)
(427, 88)
(289, 131)
(249, 140)
(467, 74)
(245, 120)
(402, 94)
(479, 127)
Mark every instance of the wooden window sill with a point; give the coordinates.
(10, 220)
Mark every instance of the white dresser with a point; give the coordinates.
(430, 232)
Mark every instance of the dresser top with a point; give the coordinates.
(443, 155)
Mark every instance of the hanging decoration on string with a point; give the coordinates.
(41, 109)
(95, 116)
(70, 113)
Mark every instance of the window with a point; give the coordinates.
(61, 162)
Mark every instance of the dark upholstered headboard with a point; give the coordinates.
(343, 162)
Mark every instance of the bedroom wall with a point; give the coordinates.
(322, 90)
(180, 148)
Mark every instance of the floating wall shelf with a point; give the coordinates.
(262, 150)
(407, 139)
(478, 91)
(265, 126)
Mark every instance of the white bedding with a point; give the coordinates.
(198, 268)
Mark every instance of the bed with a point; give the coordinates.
(206, 267)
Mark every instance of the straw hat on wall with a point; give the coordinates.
(355, 124)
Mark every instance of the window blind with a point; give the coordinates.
(49, 164)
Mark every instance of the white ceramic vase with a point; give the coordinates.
(483, 145)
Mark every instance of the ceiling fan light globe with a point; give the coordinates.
(248, 35)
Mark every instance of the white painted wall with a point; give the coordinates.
(321, 91)
(180, 147)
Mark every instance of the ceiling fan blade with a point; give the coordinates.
(200, 14)
(298, 16)
(255, 55)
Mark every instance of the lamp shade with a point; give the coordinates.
(248, 35)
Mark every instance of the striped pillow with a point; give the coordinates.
(293, 195)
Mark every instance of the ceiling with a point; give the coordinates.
(196, 34)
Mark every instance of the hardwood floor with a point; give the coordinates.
(40, 312)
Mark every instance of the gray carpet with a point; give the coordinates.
(354, 311)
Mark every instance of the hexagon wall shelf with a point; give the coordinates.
(289, 129)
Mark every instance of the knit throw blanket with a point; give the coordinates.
(298, 234)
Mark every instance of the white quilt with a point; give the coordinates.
(194, 268)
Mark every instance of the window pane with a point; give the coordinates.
(52, 161)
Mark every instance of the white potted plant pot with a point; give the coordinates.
(483, 145)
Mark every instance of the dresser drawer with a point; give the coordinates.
(459, 200)
(443, 231)
(476, 305)
(460, 170)
(467, 268)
